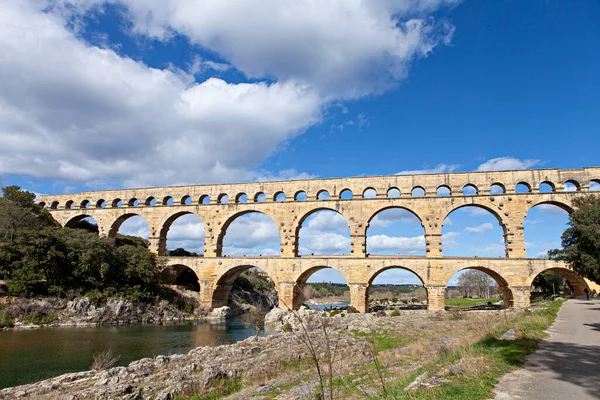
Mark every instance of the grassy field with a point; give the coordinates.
(468, 302)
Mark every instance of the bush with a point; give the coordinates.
(287, 327)
(104, 360)
(352, 310)
(5, 321)
(395, 313)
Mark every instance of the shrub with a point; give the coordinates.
(287, 327)
(395, 313)
(5, 321)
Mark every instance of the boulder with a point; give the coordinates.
(220, 313)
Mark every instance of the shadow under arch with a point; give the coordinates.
(503, 286)
(574, 280)
(114, 228)
(385, 269)
(300, 284)
(231, 219)
(80, 222)
(304, 218)
(223, 285)
(180, 275)
(166, 225)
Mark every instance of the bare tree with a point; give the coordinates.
(476, 283)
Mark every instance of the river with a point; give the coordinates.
(31, 355)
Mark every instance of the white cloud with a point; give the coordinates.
(477, 211)
(135, 226)
(507, 163)
(551, 209)
(449, 240)
(480, 228)
(379, 244)
(254, 230)
(393, 215)
(326, 221)
(439, 169)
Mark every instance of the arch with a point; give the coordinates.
(279, 196)
(150, 201)
(323, 194)
(300, 195)
(547, 187)
(167, 201)
(85, 204)
(325, 238)
(386, 237)
(133, 202)
(55, 205)
(418, 191)
(260, 197)
(574, 280)
(181, 276)
(523, 187)
(101, 203)
(376, 273)
(223, 198)
(69, 204)
(268, 234)
(470, 190)
(443, 190)
(346, 194)
(204, 199)
(223, 285)
(186, 200)
(301, 281)
(393, 193)
(116, 225)
(117, 203)
(483, 288)
(182, 242)
(572, 185)
(74, 222)
(594, 185)
(397, 292)
(543, 226)
(369, 193)
(241, 198)
(497, 188)
(42, 204)
(471, 230)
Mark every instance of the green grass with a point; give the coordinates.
(491, 358)
(224, 388)
(468, 302)
(383, 341)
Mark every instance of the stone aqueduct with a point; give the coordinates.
(218, 205)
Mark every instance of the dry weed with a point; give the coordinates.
(104, 360)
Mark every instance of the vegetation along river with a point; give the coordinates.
(31, 355)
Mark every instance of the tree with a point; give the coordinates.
(475, 283)
(581, 240)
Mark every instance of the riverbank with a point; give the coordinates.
(380, 355)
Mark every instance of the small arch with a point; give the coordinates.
(42, 204)
(223, 198)
(133, 202)
(150, 201)
(55, 205)
(369, 193)
(417, 191)
(443, 191)
(300, 196)
(497, 188)
(547, 187)
(260, 197)
(393, 193)
(180, 275)
(167, 201)
(117, 203)
(69, 205)
(323, 195)
(241, 198)
(204, 199)
(470, 190)
(479, 283)
(101, 203)
(572, 186)
(594, 185)
(279, 196)
(186, 200)
(346, 194)
(84, 204)
(523, 187)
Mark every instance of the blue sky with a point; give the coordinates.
(105, 94)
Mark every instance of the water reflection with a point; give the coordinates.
(31, 355)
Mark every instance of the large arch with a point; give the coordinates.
(543, 226)
(473, 230)
(254, 240)
(395, 230)
(333, 234)
(575, 281)
(223, 285)
(503, 287)
(180, 275)
(116, 226)
(183, 242)
(402, 290)
(83, 221)
(301, 283)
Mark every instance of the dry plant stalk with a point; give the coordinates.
(104, 360)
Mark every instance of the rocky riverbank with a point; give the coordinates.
(281, 365)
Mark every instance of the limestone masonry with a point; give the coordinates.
(289, 203)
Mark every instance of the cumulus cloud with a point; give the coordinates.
(480, 228)
(383, 244)
(325, 232)
(252, 231)
(551, 209)
(439, 169)
(507, 163)
(392, 216)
